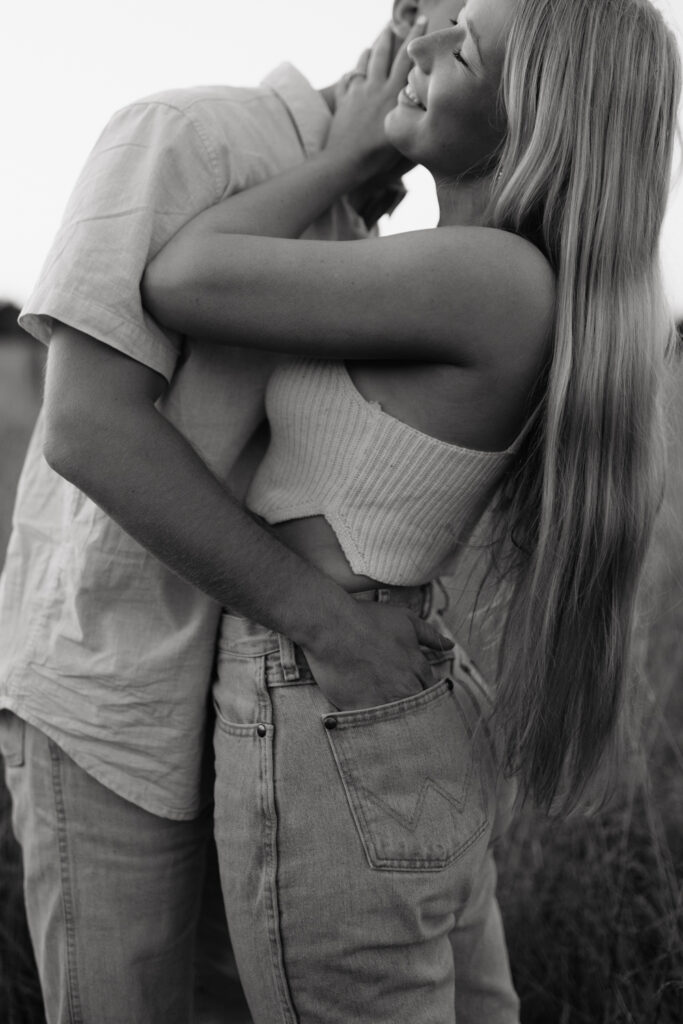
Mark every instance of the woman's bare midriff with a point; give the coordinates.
(314, 539)
(444, 402)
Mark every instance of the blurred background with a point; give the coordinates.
(593, 908)
(66, 66)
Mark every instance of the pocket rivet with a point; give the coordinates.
(449, 684)
(330, 723)
(261, 730)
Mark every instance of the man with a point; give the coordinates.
(105, 652)
(127, 542)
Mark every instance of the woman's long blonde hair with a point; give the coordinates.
(590, 90)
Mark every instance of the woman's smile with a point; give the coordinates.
(454, 82)
(409, 95)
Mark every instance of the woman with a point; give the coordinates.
(520, 346)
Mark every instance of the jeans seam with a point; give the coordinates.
(269, 817)
(75, 1011)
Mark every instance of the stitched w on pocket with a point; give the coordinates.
(414, 772)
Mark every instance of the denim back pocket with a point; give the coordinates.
(415, 775)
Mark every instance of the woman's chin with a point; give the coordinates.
(399, 134)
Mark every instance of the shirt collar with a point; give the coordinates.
(307, 108)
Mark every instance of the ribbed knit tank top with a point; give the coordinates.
(398, 500)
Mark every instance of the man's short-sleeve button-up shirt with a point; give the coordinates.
(102, 647)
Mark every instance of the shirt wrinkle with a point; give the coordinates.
(125, 213)
(197, 127)
(102, 647)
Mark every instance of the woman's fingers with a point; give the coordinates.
(361, 67)
(358, 74)
(402, 62)
(381, 55)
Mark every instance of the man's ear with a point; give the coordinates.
(403, 16)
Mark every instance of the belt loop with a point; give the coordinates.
(290, 669)
(382, 595)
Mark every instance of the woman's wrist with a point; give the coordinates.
(347, 169)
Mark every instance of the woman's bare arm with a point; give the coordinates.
(450, 295)
(461, 295)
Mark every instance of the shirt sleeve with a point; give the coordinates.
(149, 173)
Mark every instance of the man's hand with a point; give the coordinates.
(373, 656)
(105, 435)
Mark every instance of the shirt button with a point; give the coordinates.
(331, 723)
(261, 730)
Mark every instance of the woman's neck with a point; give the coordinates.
(463, 203)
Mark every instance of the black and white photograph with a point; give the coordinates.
(341, 512)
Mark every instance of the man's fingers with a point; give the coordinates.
(429, 636)
(381, 55)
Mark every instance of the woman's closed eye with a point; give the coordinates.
(458, 53)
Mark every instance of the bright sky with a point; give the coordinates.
(68, 64)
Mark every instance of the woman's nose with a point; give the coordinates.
(420, 51)
(423, 50)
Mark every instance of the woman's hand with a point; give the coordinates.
(365, 97)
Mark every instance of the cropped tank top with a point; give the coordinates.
(399, 501)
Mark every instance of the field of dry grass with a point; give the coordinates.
(593, 908)
(20, 1001)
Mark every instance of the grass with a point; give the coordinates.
(593, 907)
(20, 1000)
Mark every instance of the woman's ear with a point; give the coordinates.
(403, 16)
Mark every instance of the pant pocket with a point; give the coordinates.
(12, 736)
(414, 773)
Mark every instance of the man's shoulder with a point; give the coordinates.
(218, 114)
(190, 99)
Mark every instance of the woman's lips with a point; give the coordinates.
(410, 97)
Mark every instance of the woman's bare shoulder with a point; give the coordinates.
(502, 293)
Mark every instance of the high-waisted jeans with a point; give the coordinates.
(354, 846)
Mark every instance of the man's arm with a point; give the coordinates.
(105, 435)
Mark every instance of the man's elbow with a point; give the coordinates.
(161, 289)
(70, 446)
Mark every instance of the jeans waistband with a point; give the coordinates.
(418, 599)
(242, 638)
(254, 639)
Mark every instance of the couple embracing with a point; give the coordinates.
(209, 267)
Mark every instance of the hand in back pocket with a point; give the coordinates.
(415, 773)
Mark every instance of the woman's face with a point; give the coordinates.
(447, 117)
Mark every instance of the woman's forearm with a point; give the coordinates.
(283, 206)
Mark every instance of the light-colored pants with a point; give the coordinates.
(114, 896)
(354, 847)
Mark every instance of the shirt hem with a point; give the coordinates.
(42, 309)
(97, 773)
